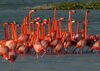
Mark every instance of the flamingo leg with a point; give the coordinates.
(80, 50)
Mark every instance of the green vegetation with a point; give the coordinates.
(77, 5)
(69, 5)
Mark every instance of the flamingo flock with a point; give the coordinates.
(34, 40)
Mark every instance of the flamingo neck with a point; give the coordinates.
(64, 37)
(6, 37)
(42, 30)
(27, 29)
(53, 26)
(57, 31)
(55, 14)
(49, 27)
(71, 28)
(12, 28)
(71, 31)
(55, 21)
(69, 22)
(78, 27)
(27, 25)
(9, 31)
(86, 26)
(66, 28)
(39, 31)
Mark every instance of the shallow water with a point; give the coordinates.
(56, 63)
(86, 62)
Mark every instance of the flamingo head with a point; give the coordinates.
(6, 23)
(38, 18)
(14, 22)
(87, 11)
(45, 20)
(78, 22)
(60, 19)
(72, 11)
(27, 17)
(73, 21)
(97, 37)
(32, 11)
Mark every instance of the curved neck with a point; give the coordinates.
(86, 26)
(55, 21)
(70, 22)
(57, 31)
(56, 24)
(71, 31)
(27, 28)
(42, 30)
(63, 39)
(39, 31)
(71, 28)
(9, 31)
(55, 14)
(12, 28)
(78, 27)
(27, 25)
(53, 26)
(66, 28)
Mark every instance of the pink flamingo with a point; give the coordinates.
(96, 46)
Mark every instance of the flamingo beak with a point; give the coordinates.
(73, 11)
(6, 58)
(60, 19)
(37, 22)
(45, 20)
(32, 11)
(73, 21)
(38, 18)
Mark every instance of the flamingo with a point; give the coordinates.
(60, 45)
(3, 49)
(30, 12)
(96, 46)
(11, 44)
(78, 36)
(36, 43)
(44, 39)
(82, 43)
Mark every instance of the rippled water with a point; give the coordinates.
(86, 62)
